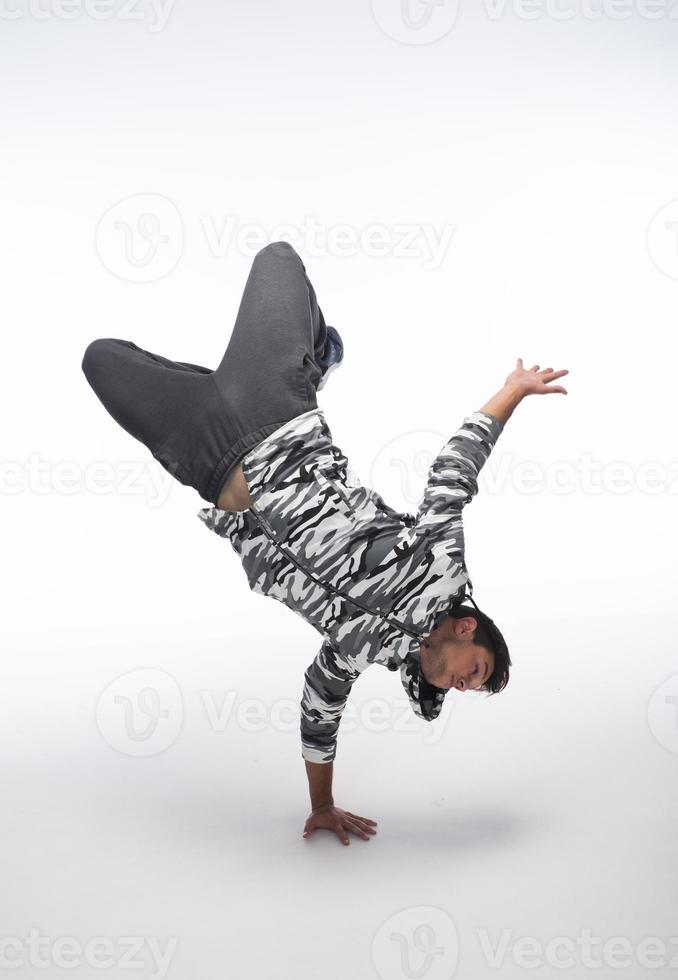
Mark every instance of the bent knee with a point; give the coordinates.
(97, 356)
(280, 248)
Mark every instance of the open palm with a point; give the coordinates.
(534, 381)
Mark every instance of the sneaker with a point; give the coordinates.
(332, 356)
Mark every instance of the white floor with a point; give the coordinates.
(548, 811)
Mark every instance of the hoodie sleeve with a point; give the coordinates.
(327, 684)
(453, 475)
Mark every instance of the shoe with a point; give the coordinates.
(332, 357)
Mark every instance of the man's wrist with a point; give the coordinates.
(501, 405)
(511, 395)
(320, 784)
(315, 807)
(515, 390)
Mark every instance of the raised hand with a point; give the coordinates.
(340, 822)
(534, 381)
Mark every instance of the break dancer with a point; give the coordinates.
(380, 586)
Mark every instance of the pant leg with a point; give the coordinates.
(199, 423)
(276, 332)
(147, 394)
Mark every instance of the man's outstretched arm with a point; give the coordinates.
(453, 475)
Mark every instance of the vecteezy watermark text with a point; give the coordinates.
(375, 715)
(404, 464)
(98, 953)
(155, 14)
(42, 477)
(423, 241)
(141, 238)
(404, 460)
(422, 941)
(141, 714)
(417, 22)
(586, 950)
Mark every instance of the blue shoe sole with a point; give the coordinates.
(335, 355)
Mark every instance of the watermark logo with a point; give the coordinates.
(425, 461)
(407, 458)
(141, 712)
(662, 240)
(141, 238)
(417, 942)
(415, 21)
(662, 714)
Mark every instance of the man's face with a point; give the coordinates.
(453, 660)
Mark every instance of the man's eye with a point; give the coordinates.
(475, 671)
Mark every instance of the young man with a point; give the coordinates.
(380, 586)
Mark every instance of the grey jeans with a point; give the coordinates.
(199, 423)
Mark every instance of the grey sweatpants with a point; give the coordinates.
(199, 423)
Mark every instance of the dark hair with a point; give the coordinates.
(488, 635)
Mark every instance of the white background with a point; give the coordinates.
(541, 150)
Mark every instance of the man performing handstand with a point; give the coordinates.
(380, 586)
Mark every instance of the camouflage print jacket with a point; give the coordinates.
(371, 580)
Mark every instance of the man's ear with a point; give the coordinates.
(468, 625)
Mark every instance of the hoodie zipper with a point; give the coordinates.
(263, 524)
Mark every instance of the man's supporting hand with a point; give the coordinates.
(324, 814)
(341, 822)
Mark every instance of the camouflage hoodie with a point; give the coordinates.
(373, 581)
